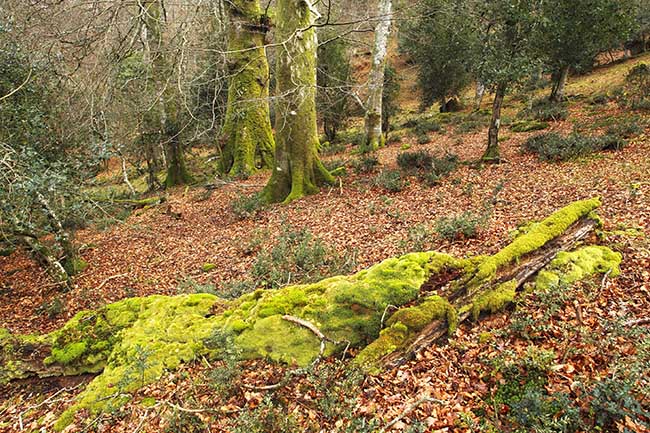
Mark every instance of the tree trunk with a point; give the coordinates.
(177, 172)
(478, 96)
(462, 300)
(297, 170)
(492, 152)
(557, 92)
(247, 133)
(373, 120)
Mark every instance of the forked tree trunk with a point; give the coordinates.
(298, 170)
(247, 134)
(492, 152)
(561, 78)
(373, 120)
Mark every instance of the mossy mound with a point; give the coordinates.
(570, 267)
(135, 340)
(132, 342)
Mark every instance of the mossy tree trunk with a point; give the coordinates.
(373, 119)
(297, 171)
(492, 152)
(247, 134)
(134, 341)
(169, 110)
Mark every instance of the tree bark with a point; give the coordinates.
(557, 92)
(247, 133)
(492, 152)
(152, 15)
(298, 171)
(373, 119)
(478, 96)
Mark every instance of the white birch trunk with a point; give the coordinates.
(374, 133)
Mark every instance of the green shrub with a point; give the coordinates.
(247, 206)
(555, 147)
(637, 88)
(528, 125)
(615, 399)
(465, 225)
(544, 110)
(390, 180)
(366, 163)
(414, 161)
(423, 138)
(296, 258)
(423, 125)
(428, 168)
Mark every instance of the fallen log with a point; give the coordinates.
(471, 301)
(132, 342)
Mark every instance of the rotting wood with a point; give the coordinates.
(460, 298)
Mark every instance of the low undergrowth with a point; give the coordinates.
(428, 168)
(534, 388)
(556, 147)
(297, 257)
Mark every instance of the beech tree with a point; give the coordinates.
(373, 119)
(298, 170)
(169, 109)
(247, 136)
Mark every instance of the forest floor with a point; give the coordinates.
(164, 250)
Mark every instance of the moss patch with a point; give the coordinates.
(137, 339)
(403, 326)
(494, 300)
(536, 237)
(570, 267)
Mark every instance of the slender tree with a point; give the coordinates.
(152, 13)
(298, 170)
(506, 56)
(247, 134)
(373, 119)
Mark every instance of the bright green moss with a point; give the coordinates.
(570, 267)
(207, 267)
(494, 300)
(536, 237)
(67, 354)
(142, 337)
(389, 340)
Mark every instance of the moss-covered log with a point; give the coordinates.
(247, 134)
(132, 342)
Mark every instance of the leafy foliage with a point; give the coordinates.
(556, 147)
(442, 42)
(334, 81)
(463, 226)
